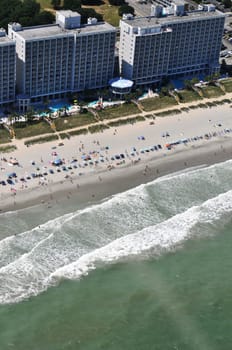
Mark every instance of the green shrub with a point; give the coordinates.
(7, 149)
(4, 136)
(202, 105)
(97, 128)
(78, 132)
(41, 140)
(155, 103)
(168, 112)
(118, 111)
(126, 121)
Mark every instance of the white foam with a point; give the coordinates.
(192, 171)
(51, 256)
(161, 237)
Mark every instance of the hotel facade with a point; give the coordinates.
(51, 61)
(172, 45)
(66, 57)
(7, 69)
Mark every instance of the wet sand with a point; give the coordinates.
(94, 187)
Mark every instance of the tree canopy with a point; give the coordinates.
(26, 12)
(56, 4)
(73, 5)
(227, 3)
(29, 13)
(125, 9)
(117, 2)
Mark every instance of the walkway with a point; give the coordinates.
(20, 143)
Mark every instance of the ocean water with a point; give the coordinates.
(149, 268)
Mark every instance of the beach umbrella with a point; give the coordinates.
(57, 162)
(12, 175)
(9, 181)
(85, 157)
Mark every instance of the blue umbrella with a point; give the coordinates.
(12, 175)
(57, 161)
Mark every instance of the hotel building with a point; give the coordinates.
(54, 60)
(170, 43)
(7, 69)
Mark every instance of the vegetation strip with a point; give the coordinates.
(41, 140)
(6, 149)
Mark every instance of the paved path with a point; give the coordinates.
(20, 143)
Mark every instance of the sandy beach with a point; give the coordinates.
(89, 172)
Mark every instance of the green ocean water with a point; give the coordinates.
(183, 300)
(147, 269)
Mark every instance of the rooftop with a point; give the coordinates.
(68, 13)
(179, 2)
(121, 83)
(152, 21)
(6, 40)
(37, 32)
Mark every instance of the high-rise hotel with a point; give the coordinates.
(7, 69)
(54, 60)
(170, 43)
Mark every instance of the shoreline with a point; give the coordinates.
(88, 189)
(90, 183)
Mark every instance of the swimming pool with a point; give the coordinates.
(57, 106)
(143, 96)
(91, 104)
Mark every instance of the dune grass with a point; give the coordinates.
(74, 121)
(79, 132)
(23, 130)
(7, 149)
(41, 140)
(118, 111)
(227, 84)
(4, 136)
(188, 96)
(154, 103)
(211, 91)
(119, 122)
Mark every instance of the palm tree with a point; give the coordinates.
(188, 85)
(12, 117)
(194, 81)
(29, 115)
(164, 90)
(65, 110)
(216, 76)
(81, 104)
(209, 78)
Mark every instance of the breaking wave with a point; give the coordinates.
(143, 222)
